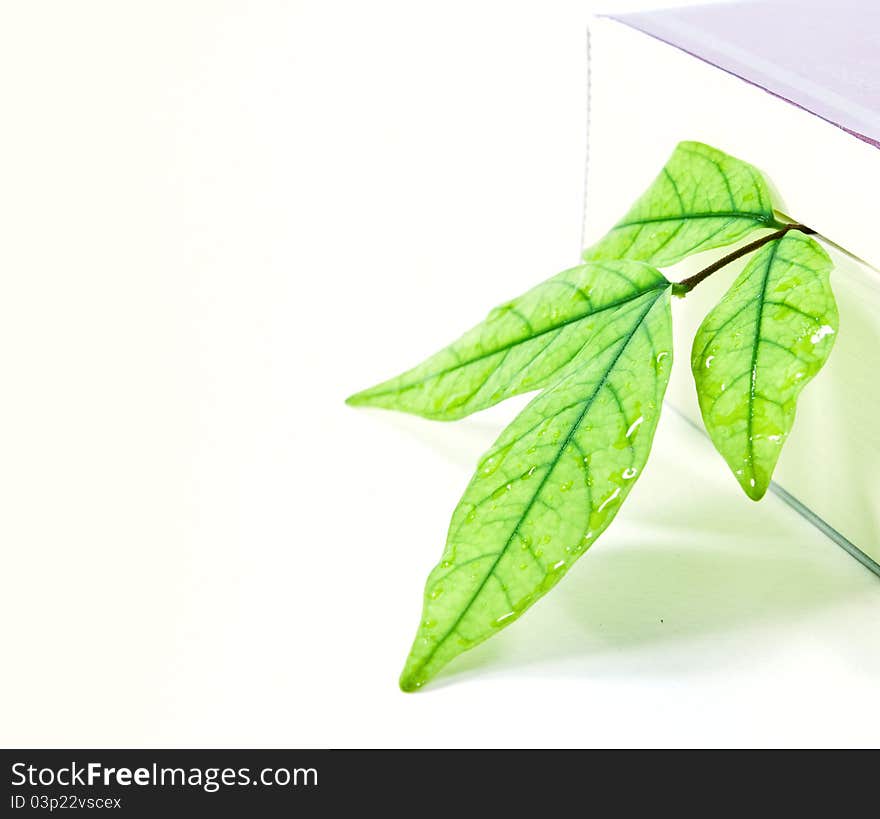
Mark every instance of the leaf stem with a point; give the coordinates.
(685, 286)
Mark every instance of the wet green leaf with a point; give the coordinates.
(522, 345)
(758, 348)
(702, 199)
(548, 487)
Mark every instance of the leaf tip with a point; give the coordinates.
(410, 681)
(695, 145)
(754, 488)
(358, 399)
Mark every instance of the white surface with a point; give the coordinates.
(824, 464)
(218, 220)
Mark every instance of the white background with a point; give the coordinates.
(218, 219)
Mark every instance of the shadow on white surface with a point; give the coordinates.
(691, 579)
(643, 609)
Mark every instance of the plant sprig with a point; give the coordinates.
(597, 341)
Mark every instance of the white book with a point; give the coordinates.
(811, 123)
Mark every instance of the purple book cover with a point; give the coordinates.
(820, 55)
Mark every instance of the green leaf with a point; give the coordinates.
(549, 486)
(702, 199)
(758, 348)
(522, 345)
